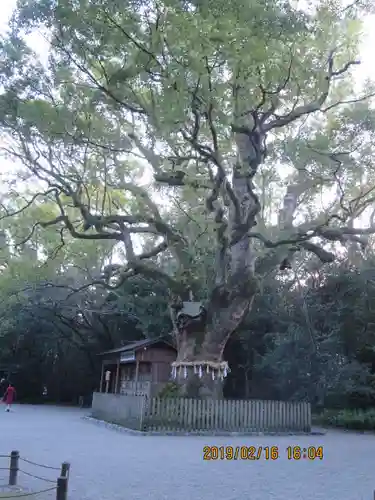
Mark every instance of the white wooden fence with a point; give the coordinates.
(230, 415)
(183, 414)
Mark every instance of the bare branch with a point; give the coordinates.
(322, 254)
(153, 159)
(178, 178)
(316, 105)
(28, 204)
(348, 101)
(98, 85)
(221, 248)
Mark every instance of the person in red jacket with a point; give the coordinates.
(9, 396)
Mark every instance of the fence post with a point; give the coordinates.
(65, 467)
(62, 488)
(143, 410)
(13, 467)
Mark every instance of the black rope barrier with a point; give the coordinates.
(39, 465)
(31, 493)
(61, 482)
(37, 477)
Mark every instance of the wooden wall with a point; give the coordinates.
(160, 359)
(156, 354)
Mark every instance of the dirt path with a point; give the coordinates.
(108, 465)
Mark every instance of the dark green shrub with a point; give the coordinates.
(348, 419)
(170, 390)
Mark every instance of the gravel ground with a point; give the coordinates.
(108, 465)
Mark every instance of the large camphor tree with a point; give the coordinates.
(245, 112)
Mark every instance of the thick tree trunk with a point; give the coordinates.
(195, 387)
(200, 367)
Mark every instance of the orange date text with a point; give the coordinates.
(240, 452)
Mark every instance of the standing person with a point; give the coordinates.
(9, 396)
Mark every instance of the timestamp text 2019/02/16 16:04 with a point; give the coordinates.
(262, 453)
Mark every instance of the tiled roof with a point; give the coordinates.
(133, 346)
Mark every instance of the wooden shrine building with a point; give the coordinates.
(142, 367)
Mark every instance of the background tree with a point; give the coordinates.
(49, 335)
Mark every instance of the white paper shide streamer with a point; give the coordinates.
(217, 370)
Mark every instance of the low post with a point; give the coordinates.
(65, 467)
(62, 488)
(13, 467)
(107, 380)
